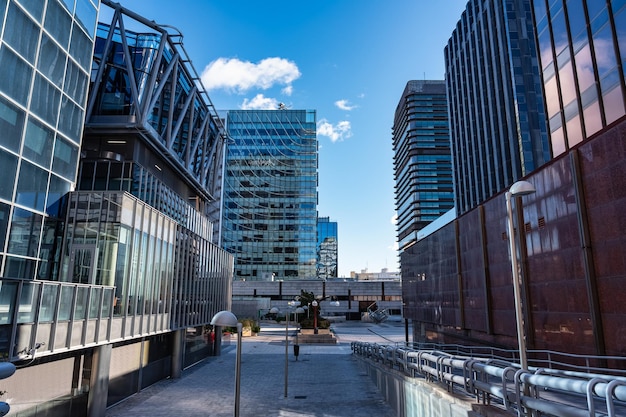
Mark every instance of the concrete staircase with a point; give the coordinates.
(323, 336)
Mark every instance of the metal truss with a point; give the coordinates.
(145, 83)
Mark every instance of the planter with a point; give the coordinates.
(312, 331)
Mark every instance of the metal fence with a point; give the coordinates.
(538, 391)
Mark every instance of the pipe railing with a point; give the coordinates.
(494, 381)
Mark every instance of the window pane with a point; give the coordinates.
(4, 224)
(38, 143)
(19, 268)
(51, 60)
(25, 233)
(58, 23)
(11, 125)
(75, 83)
(8, 292)
(28, 303)
(34, 7)
(8, 163)
(48, 303)
(58, 189)
(46, 100)
(17, 85)
(65, 158)
(65, 308)
(81, 48)
(86, 16)
(70, 119)
(21, 33)
(31, 186)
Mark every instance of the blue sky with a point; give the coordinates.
(347, 59)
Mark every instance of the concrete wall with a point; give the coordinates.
(414, 397)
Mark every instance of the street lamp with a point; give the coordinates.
(520, 188)
(291, 304)
(228, 319)
(314, 304)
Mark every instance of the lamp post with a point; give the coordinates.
(314, 304)
(520, 188)
(228, 319)
(291, 304)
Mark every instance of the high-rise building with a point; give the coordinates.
(327, 248)
(110, 272)
(582, 54)
(270, 194)
(497, 121)
(457, 280)
(422, 161)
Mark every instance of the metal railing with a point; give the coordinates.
(534, 392)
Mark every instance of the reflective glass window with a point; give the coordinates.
(18, 84)
(8, 162)
(31, 186)
(620, 27)
(574, 131)
(604, 51)
(48, 303)
(58, 23)
(81, 303)
(592, 117)
(51, 60)
(11, 125)
(70, 119)
(584, 68)
(81, 48)
(94, 302)
(65, 306)
(69, 4)
(38, 143)
(613, 104)
(559, 30)
(576, 15)
(25, 233)
(65, 158)
(57, 190)
(46, 100)
(28, 303)
(34, 7)
(568, 87)
(19, 268)
(4, 224)
(3, 6)
(75, 84)
(558, 142)
(552, 97)
(21, 33)
(8, 293)
(86, 16)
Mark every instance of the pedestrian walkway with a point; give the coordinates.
(325, 381)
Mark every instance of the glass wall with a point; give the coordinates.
(270, 194)
(46, 47)
(582, 47)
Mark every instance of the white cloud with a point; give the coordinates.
(260, 102)
(338, 132)
(287, 90)
(394, 219)
(344, 105)
(241, 76)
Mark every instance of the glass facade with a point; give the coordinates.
(497, 121)
(582, 49)
(46, 47)
(327, 248)
(422, 159)
(270, 194)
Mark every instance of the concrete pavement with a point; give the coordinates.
(325, 381)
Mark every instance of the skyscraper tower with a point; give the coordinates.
(270, 194)
(497, 120)
(422, 161)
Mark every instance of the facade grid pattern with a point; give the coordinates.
(422, 160)
(497, 120)
(270, 194)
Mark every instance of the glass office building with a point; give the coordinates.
(497, 120)
(582, 50)
(112, 153)
(327, 248)
(270, 194)
(422, 160)
(45, 54)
